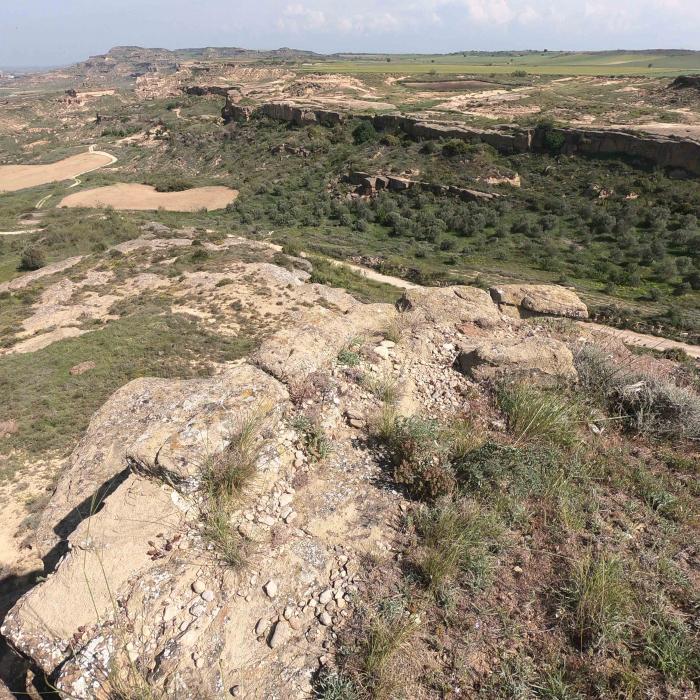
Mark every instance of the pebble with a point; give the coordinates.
(326, 596)
(271, 588)
(197, 610)
(382, 352)
(208, 596)
(279, 635)
(262, 627)
(288, 612)
(286, 499)
(290, 518)
(325, 619)
(235, 690)
(199, 586)
(387, 344)
(170, 613)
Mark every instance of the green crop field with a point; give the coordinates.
(662, 63)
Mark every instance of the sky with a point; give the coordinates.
(57, 32)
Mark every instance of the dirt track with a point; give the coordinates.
(135, 197)
(20, 177)
(640, 340)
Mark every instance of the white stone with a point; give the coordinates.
(271, 588)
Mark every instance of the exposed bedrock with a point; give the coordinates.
(677, 155)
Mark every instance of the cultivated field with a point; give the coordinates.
(647, 63)
(20, 177)
(134, 197)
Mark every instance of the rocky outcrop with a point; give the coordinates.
(542, 360)
(524, 300)
(293, 354)
(136, 593)
(233, 112)
(288, 149)
(280, 111)
(505, 140)
(158, 427)
(368, 185)
(677, 155)
(451, 305)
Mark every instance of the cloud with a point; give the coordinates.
(48, 31)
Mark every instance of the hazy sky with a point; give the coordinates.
(50, 32)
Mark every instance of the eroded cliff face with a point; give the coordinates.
(679, 156)
(136, 590)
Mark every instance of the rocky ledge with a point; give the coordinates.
(134, 583)
(679, 156)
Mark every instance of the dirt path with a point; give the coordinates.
(374, 275)
(640, 340)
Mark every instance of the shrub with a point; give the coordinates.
(420, 461)
(33, 258)
(364, 132)
(454, 148)
(170, 184)
(552, 140)
(646, 404)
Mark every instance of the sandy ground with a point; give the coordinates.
(19, 177)
(131, 196)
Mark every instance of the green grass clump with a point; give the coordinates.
(537, 414)
(387, 635)
(384, 386)
(456, 539)
(599, 600)
(335, 686)
(673, 649)
(226, 476)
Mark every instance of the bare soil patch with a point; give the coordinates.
(131, 196)
(20, 177)
(447, 85)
